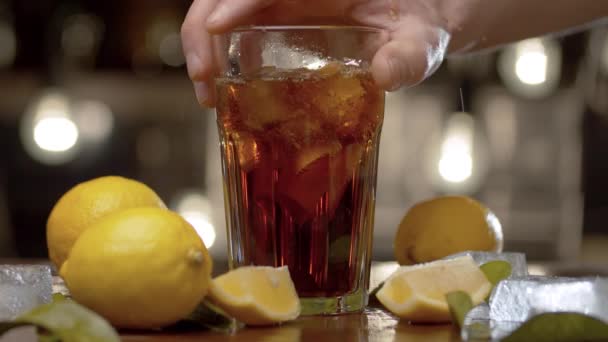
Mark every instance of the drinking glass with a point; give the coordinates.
(299, 119)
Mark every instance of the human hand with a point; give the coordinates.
(415, 40)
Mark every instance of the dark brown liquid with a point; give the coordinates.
(299, 159)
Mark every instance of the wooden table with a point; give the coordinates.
(375, 324)
(372, 325)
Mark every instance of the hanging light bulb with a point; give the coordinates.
(531, 68)
(458, 162)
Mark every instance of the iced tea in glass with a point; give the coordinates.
(299, 129)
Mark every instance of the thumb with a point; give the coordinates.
(409, 58)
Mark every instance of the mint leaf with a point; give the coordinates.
(460, 304)
(560, 327)
(496, 271)
(209, 316)
(49, 338)
(6, 326)
(339, 250)
(69, 322)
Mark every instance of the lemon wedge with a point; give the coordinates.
(257, 295)
(417, 293)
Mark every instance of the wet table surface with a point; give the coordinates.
(372, 325)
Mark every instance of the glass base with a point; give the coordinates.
(352, 302)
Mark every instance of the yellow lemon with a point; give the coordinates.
(257, 295)
(139, 268)
(86, 203)
(439, 227)
(417, 293)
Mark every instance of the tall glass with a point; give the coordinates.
(299, 118)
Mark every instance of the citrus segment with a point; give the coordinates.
(417, 293)
(257, 295)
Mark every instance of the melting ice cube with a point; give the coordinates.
(23, 287)
(519, 267)
(516, 300)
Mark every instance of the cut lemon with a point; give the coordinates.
(417, 293)
(257, 295)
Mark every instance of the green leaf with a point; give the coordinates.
(460, 304)
(209, 316)
(58, 296)
(496, 271)
(478, 331)
(560, 327)
(6, 326)
(70, 322)
(339, 250)
(49, 338)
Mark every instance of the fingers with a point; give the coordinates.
(197, 47)
(409, 57)
(231, 13)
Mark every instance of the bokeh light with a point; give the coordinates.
(8, 42)
(170, 50)
(456, 161)
(55, 134)
(531, 68)
(195, 208)
(94, 119)
(48, 131)
(81, 35)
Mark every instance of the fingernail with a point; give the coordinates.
(217, 16)
(393, 67)
(202, 92)
(394, 86)
(194, 65)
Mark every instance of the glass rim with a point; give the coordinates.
(287, 28)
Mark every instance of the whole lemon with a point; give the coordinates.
(87, 202)
(139, 268)
(446, 225)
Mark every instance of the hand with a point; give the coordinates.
(416, 32)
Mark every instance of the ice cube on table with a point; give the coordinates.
(478, 326)
(518, 299)
(22, 288)
(519, 267)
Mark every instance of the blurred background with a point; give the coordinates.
(91, 88)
